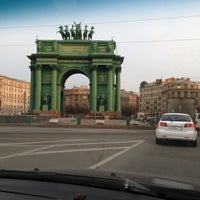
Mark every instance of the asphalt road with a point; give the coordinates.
(127, 150)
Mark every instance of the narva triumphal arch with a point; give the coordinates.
(56, 60)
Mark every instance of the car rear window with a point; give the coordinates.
(198, 116)
(180, 118)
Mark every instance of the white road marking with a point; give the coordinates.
(102, 162)
(91, 143)
(35, 151)
(41, 142)
(75, 150)
(23, 153)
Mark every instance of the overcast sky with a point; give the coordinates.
(157, 38)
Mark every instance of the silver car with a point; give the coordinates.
(176, 126)
(197, 121)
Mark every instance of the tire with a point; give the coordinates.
(194, 143)
(158, 141)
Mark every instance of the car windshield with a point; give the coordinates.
(101, 86)
(174, 117)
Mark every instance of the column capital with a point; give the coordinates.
(39, 67)
(32, 67)
(94, 67)
(110, 67)
(54, 67)
(118, 70)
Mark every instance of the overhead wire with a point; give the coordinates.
(111, 22)
(105, 22)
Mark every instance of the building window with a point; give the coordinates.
(185, 94)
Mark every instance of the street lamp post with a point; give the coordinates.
(24, 101)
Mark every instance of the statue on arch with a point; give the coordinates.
(91, 33)
(46, 100)
(66, 31)
(72, 31)
(85, 33)
(61, 31)
(101, 102)
(78, 31)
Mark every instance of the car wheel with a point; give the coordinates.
(194, 143)
(158, 141)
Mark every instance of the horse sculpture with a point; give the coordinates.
(72, 32)
(75, 32)
(61, 31)
(91, 33)
(85, 33)
(67, 34)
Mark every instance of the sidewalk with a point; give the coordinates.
(99, 123)
(77, 122)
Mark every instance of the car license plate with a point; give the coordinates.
(176, 128)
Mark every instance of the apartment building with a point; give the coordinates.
(77, 99)
(151, 98)
(14, 96)
(180, 95)
(170, 95)
(130, 100)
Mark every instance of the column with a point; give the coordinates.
(32, 86)
(118, 89)
(110, 89)
(38, 87)
(94, 89)
(59, 99)
(54, 87)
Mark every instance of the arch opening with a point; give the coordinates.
(76, 94)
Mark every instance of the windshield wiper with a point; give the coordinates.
(174, 190)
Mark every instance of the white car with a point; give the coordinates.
(176, 126)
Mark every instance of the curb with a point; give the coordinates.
(77, 126)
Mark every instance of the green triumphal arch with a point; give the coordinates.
(56, 60)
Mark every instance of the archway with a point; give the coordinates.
(74, 103)
(77, 95)
(57, 60)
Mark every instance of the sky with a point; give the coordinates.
(157, 38)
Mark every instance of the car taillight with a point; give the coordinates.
(189, 125)
(162, 124)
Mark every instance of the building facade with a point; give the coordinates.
(77, 100)
(130, 102)
(170, 95)
(181, 95)
(151, 98)
(14, 96)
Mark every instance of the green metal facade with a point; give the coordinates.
(56, 60)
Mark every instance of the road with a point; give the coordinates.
(127, 150)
